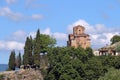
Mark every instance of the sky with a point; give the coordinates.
(22, 18)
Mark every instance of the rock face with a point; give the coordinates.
(22, 75)
(79, 38)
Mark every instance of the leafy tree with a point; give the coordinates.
(81, 54)
(112, 74)
(109, 61)
(46, 42)
(65, 77)
(18, 60)
(116, 63)
(89, 52)
(11, 63)
(94, 69)
(117, 48)
(71, 72)
(115, 39)
(79, 67)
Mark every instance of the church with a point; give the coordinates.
(78, 38)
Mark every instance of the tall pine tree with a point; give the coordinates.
(28, 49)
(37, 49)
(18, 60)
(11, 63)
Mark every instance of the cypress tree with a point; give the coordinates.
(37, 49)
(18, 60)
(25, 56)
(11, 63)
(28, 57)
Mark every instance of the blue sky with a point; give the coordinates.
(21, 18)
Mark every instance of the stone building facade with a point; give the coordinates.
(79, 38)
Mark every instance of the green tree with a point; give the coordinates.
(37, 48)
(89, 52)
(109, 61)
(28, 49)
(11, 63)
(46, 42)
(18, 60)
(112, 74)
(81, 54)
(94, 69)
(79, 67)
(115, 39)
(117, 48)
(71, 72)
(116, 63)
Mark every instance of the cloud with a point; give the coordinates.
(56, 35)
(10, 1)
(10, 45)
(15, 41)
(46, 31)
(36, 16)
(100, 34)
(60, 36)
(34, 4)
(7, 12)
(18, 36)
(17, 16)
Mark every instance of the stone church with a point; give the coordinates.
(79, 38)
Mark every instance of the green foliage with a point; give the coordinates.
(68, 63)
(46, 42)
(115, 39)
(2, 77)
(37, 48)
(11, 63)
(94, 69)
(117, 62)
(28, 56)
(112, 74)
(33, 47)
(117, 47)
(89, 52)
(69, 70)
(18, 60)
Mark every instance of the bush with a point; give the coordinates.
(2, 77)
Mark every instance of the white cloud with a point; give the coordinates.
(99, 33)
(14, 41)
(60, 36)
(18, 36)
(10, 45)
(11, 1)
(46, 31)
(7, 12)
(56, 35)
(17, 16)
(33, 34)
(37, 16)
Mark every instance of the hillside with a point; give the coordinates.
(22, 75)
